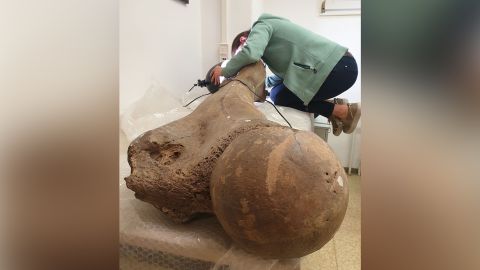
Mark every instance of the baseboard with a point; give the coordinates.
(353, 170)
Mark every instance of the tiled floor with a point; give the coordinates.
(343, 251)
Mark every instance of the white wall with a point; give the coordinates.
(345, 30)
(211, 33)
(239, 18)
(168, 42)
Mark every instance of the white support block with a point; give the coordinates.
(223, 51)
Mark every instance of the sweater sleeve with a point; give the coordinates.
(253, 50)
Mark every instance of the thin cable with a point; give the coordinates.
(197, 98)
(192, 87)
(279, 113)
(266, 101)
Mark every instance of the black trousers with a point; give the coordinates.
(342, 77)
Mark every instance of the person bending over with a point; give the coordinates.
(309, 69)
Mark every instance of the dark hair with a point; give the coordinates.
(236, 40)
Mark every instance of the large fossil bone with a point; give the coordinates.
(171, 165)
(278, 192)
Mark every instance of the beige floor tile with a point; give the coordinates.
(324, 259)
(347, 250)
(347, 241)
(343, 251)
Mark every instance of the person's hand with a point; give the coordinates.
(216, 73)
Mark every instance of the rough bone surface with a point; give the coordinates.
(171, 165)
(279, 192)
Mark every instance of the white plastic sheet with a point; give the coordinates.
(298, 119)
(156, 108)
